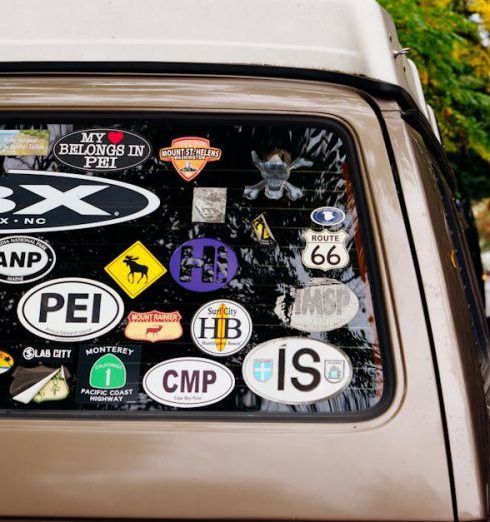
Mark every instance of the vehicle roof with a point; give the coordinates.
(354, 37)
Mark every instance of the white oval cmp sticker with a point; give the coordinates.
(70, 309)
(24, 259)
(296, 370)
(188, 382)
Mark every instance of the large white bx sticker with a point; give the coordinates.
(70, 309)
(188, 382)
(296, 370)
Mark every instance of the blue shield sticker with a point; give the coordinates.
(262, 369)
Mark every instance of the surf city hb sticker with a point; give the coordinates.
(102, 150)
(6, 362)
(262, 230)
(188, 382)
(203, 265)
(136, 269)
(209, 205)
(154, 326)
(325, 250)
(108, 374)
(296, 370)
(189, 156)
(26, 142)
(221, 328)
(321, 306)
(24, 259)
(327, 216)
(39, 384)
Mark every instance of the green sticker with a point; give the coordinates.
(108, 373)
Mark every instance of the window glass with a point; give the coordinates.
(185, 265)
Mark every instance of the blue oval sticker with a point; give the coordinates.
(327, 216)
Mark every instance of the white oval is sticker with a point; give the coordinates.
(188, 382)
(24, 259)
(296, 370)
(318, 307)
(70, 309)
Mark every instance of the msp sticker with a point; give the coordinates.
(262, 230)
(46, 354)
(70, 309)
(327, 216)
(325, 250)
(221, 328)
(24, 259)
(24, 142)
(154, 326)
(189, 156)
(6, 362)
(209, 205)
(203, 265)
(39, 384)
(296, 370)
(102, 150)
(41, 201)
(108, 374)
(321, 306)
(136, 269)
(188, 382)
(275, 171)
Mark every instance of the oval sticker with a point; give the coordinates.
(24, 259)
(318, 307)
(296, 370)
(102, 150)
(221, 327)
(188, 382)
(327, 216)
(70, 309)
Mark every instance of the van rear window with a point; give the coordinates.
(166, 266)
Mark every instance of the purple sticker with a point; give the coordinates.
(203, 265)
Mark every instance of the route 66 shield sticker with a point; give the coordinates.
(325, 250)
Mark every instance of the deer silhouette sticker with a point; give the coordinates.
(135, 268)
(154, 330)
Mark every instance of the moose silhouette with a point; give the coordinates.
(135, 268)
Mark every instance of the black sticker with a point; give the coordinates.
(53, 355)
(102, 150)
(108, 374)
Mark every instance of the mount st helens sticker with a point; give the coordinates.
(189, 155)
(209, 205)
(108, 374)
(188, 382)
(327, 216)
(102, 150)
(296, 370)
(42, 201)
(321, 306)
(221, 328)
(24, 259)
(70, 309)
(6, 362)
(203, 265)
(154, 326)
(325, 250)
(136, 269)
(39, 384)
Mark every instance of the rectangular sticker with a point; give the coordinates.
(209, 205)
(24, 142)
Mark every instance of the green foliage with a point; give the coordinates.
(455, 73)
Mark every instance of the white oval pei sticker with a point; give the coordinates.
(70, 309)
(188, 382)
(296, 370)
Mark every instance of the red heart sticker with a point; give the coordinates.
(115, 136)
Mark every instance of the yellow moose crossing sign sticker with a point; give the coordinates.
(136, 269)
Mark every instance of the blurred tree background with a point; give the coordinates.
(451, 46)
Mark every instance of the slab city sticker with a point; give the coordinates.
(24, 259)
(263, 233)
(325, 250)
(296, 370)
(320, 306)
(70, 309)
(203, 265)
(43, 201)
(188, 382)
(108, 374)
(102, 150)
(327, 216)
(221, 328)
(136, 269)
(39, 384)
(24, 142)
(6, 362)
(46, 354)
(189, 155)
(154, 326)
(209, 205)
